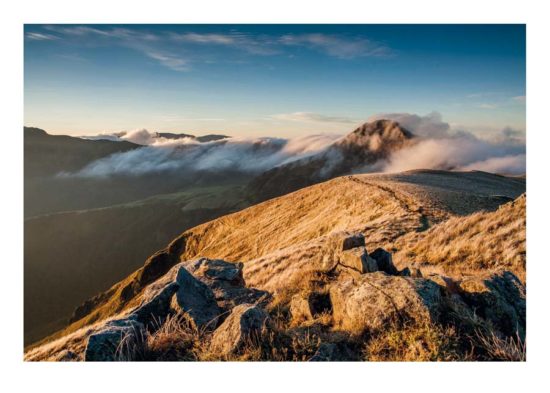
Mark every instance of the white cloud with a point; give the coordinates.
(511, 164)
(430, 125)
(186, 154)
(441, 147)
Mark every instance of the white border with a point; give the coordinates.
(257, 377)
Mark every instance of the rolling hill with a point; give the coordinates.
(287, 247)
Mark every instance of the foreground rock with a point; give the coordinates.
(158, 306)
(342, 309)
(195, 299)
(226, 281)
(348, 252)
(498, 298)
(244, 326)
(214, 287)
(359, 260)
(384, 261)
(111, 342)
(373, 300)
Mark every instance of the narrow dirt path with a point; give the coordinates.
(406, 203)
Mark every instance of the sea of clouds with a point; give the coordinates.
(438, 146)
(187, 154)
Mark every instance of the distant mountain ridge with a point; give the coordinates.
(201, 138)
(46, 154)
(118, 136)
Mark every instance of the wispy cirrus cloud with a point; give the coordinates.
(177, 50)
(40, 36)
(258, 45)
(486, 105)
(174, 62)
(313, 117)
(342, 47)
(494, 100)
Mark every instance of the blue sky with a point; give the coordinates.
(277, 80)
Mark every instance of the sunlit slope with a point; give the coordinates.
(483, 241)
(281, 239)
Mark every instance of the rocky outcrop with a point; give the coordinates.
(374, 298)
(244, 325)
(201, 290)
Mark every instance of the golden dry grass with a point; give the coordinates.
(424, 342)
(285, 244)
(483, 241)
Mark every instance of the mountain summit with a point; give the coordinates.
(365, 146)
(374, 136)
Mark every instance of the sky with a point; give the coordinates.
(271, 80)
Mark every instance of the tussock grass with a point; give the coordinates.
(413, 342)
(482, 241)
(502, 348)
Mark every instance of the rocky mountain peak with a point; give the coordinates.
(377, 135)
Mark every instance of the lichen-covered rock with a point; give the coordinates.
(358, 259)
(499, 298)
(246, 323)
(217, 270)
(196, 300)
(157, 305)
(107, 344)
(226, 281)
(370, 301)
(353, 241)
